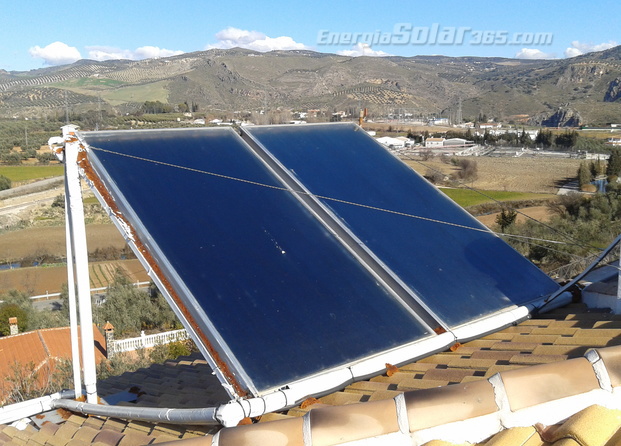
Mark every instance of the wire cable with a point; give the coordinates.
(553, 229)
(323, 197)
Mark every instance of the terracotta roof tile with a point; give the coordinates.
(428, 408)
(594, 425)
(493, 355)
(86, 434)
(284, 433)
(560, 331)
(63, 434)
(530, 359)
(412, 384)
(522, 436)
(515, 346)
(571, 351)
(108, 437)
(552, 382)
(450, 375)
(341, 398)
(584, 341)
(339, 425)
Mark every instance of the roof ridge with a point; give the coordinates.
(47, 350)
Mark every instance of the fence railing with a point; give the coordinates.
(147, 341)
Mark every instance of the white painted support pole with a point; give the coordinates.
(75, 212)
(73, 313)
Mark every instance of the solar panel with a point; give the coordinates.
(303, 250)
(268, 284)
(446, 258)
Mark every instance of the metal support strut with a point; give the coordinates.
(75, 220)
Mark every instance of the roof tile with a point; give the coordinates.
(428, 408)
(529, 359)
(108, 437)
(86, 434)
(583, 341)
(341, 398)
(612, 360)
(450, 375)
(594, 425)
(331, 425)
(415, 384)
(571, 351)
(497, 355)
(515, 346)
(560, 331)
(521, 436)
(281, 433)
(536, 385)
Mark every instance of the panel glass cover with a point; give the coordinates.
(286, 300)
(425, 238)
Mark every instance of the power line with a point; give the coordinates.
(551, 228)
(323, 197)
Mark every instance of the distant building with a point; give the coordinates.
(393, 143)
(434, 142)
(490, 125)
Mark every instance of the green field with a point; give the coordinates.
(27, 173)
(467, 197)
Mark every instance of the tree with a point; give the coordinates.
(614, 164)
(584, 175)
(525, 138)
(468, 171)
(544, 138)
(131, 310)
(9, 310)
(5, 183)
(566, 140)
(506, 218)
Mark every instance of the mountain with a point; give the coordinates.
(589, 86)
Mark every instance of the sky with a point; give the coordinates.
(41, 33)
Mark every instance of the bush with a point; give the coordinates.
(5, 183)
(588, 188)
(12, 158)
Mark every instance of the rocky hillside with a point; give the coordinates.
(584, 89)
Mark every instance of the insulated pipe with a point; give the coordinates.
(75, 212)
(150, 414)
(17, 411)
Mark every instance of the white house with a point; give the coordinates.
(394, 143)
(434, 142)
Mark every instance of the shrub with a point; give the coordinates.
(5, 183)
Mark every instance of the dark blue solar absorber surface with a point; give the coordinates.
(288, 300)
(461, 274)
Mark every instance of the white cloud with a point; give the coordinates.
(144, 52)
(362, 49)
(533, 53)
(577, 48)
(254, 40)
(56, 53)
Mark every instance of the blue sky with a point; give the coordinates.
(39, 33)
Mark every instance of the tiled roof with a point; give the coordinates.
(554, 380)
(39, 348)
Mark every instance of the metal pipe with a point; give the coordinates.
(73, 313)
(75, 212)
